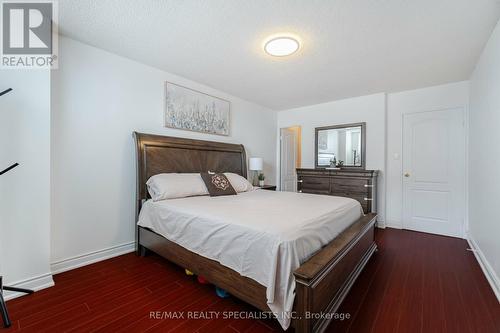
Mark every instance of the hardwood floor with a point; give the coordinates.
(415, 283)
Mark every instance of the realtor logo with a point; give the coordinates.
(29, 36)
(27, 28)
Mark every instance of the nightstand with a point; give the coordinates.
(268, 187)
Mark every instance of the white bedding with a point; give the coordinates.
(263, 235)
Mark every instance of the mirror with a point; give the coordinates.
(340, 146)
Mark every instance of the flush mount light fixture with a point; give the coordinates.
(281, 46)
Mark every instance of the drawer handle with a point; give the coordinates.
(367, 199)
(366, 185)
(300, 191)
(300, 181)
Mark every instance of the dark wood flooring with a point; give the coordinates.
(415, 283)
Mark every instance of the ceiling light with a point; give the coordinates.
(281, 46)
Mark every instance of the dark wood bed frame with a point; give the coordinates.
(322, 282)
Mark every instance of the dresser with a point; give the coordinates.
(357, 184)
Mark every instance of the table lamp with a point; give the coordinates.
(256, 164)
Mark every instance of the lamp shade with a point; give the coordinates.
(256, 163)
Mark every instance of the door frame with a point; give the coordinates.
(298, 162)
(465, 111)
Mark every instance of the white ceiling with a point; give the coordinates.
(349, 47)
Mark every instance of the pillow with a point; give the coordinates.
(217, 184)
(175, 185)
(239, 183)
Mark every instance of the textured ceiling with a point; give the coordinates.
(349, 47)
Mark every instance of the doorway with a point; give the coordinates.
(290, 159)
(434, 147)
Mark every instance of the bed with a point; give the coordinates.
(315, 279)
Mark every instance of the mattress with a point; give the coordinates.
(263, 235)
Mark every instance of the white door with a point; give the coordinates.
(434, 172)
(289, 148)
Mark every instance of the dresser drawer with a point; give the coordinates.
(350, 189)
(315, 184)
(364, 200)
(313, 191)
(359, 185)
(354, 182)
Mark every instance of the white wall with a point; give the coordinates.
(484, 162)
(25, 191)
(99, 99)
(369, 109)
(453, 95)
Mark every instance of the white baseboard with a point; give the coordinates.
(35, 283)
(488, 271)
(91, 257)
(380, 224)
(46, 281)
(394, 224)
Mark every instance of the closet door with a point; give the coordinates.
(434, 172)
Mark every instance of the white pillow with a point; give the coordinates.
(175, 185)
(239, 183)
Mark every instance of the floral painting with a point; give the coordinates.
(192, 110)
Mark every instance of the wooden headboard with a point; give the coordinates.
(163, 154)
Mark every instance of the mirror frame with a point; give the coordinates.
(363, 144)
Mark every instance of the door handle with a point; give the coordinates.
(407, 174)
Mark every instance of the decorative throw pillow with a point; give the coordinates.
(239, 183)
(217, 184)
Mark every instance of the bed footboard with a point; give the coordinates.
(326, 278)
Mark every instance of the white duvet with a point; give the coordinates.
(263, 235)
